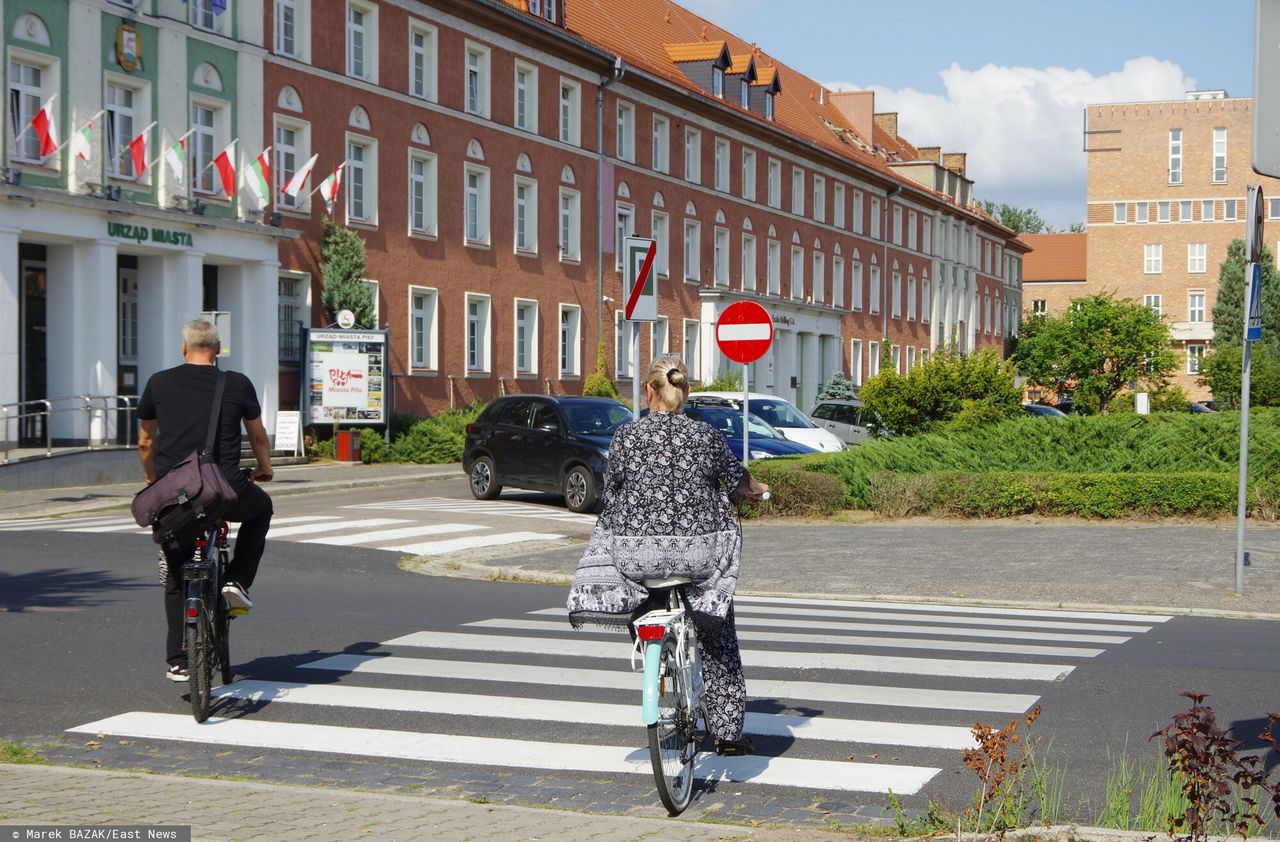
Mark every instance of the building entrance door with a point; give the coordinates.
(32, 349)
(127, 338)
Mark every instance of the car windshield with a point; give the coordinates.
(779, 413)
(595, 419)
(729, 423)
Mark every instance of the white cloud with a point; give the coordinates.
(1022, 127)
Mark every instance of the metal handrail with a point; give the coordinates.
(88, 404)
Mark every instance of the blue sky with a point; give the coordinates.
(1002, 80)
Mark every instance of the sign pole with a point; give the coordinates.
(1242, 490)
(746, 428)
(635, 371)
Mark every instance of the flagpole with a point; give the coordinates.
(343, 165)
(151, 164)
(67, 142)
(209, 165)
(32, 121)
(125, 146)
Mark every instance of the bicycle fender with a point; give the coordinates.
(649, 697)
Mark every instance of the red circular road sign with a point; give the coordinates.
(744, 331)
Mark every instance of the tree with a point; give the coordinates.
(1099, 347)
(1220, 371)
(838, 388)
(1021, 220)
(598, 383)
(947, 388)
(342, 264)
(1228, 309)
(1073, 228)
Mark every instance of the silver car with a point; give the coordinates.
(845, 419)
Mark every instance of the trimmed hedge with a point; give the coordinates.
(427, 441)
(794, 491)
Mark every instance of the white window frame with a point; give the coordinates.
(27, 149)
(1207, 210)
(875, 218)
(570, 341)
(201, 15)
(525, 97)
(1142, 212)
(748, 262)
(858, 211)
(428, 185)
(623, 366)
(1230, 210)
(1197, 258)
(855, 361)
(797, 273)
(818, 277)
(1154, 302)
(476, 191)
(659, 338)
(897, 225)
(774, 188)
(748, 174)
(422, 356)
(720, 257)
(1162, 212)
(624, 226)
(660, 231)
(1120, 214)
(365, 184)
(1196, 306)
(477, 333)
(1219, 155)
(926, 299)
(721, 176)
(873, 358)
(1195, 358)
(530, 344)
(913, 222)
(293, 310)
(837, 205)
(692, 155)
(1152, 258)
(876, 291)
(911, 298)
(895, 301)
(524, 211)
(282, 169)
(819, 198)
(661, 144)
(298, 23)
(626, 132)
(217, 138)
(423, 58)
(692, 251)
(911, 357)
(1175, 156)
(367, 31)
(797, 190)
(569, 225)
(570, 112)
(122, 125)
(1184, 210)
(717, 82)
(773, 267)
(895, 353)
(856, 293)
(477, 80)
(691, 350)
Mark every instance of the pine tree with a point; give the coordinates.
(1228, 309)
(342, 264)
(838, 388)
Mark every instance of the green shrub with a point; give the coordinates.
(598, 384)
(724, 382)
(794, 491)
(436, 439)
(979, 386)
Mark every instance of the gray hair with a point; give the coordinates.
(201, 333)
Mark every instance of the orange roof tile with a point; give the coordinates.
(1055, 257)
(697, 51)
(742, 63)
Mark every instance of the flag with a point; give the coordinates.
(82, 142)
(176, 157)
(46, 129)
(138, 151)
(260, 177)
(226, 168)
(329, 187)
(299, 178)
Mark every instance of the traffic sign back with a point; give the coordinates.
(640, 286)
(1254, 330)
(744, 331)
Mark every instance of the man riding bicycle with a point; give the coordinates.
(174, 411)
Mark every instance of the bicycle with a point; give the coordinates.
(208, 617)
(672, 692)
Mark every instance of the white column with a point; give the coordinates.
(170, 293)
(812, 372)
(251, 294)
(10, 327)
(82, 329)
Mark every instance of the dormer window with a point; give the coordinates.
(744, 95)
(717, 82)
(768, 106)
(548, 10)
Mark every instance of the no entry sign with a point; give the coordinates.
(744, 331)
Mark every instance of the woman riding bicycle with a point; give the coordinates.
(666, 512)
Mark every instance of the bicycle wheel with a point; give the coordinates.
(198, 666)
(671, 738)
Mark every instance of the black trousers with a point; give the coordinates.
(253, 512)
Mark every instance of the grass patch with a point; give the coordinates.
(12, 751)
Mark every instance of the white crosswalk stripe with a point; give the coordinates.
(813, 689)
(496, 508)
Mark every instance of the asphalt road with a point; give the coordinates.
(80, 619)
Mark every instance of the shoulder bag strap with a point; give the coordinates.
(215, 414)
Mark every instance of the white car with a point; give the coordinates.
(788, 420)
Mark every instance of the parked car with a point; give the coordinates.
(1201, 407)
(543, 443)
(1043, 411)
(763, 440)
(776, 412)
(846, 419)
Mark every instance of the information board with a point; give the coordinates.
(345, 376)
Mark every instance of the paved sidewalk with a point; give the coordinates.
(291, 479)
(236, 810)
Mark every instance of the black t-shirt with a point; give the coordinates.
(180, 398)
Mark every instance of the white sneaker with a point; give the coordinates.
(237, 597)
(177, 673)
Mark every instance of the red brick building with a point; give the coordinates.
(496, 151)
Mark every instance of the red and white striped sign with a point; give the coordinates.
(744, 331)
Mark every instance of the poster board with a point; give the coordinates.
(288, 432)
(344, 377)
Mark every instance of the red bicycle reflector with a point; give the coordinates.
(651, 633)
(471, 428)
(192, 613)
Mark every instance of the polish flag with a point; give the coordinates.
(299, 180)
(46, 129)
(225, 165)
(260, 177)
(329, 187)
(138, 152)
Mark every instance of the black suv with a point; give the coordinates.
(544, 443)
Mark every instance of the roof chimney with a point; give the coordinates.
(954, 161)
(856, 107)
(888, 123)
(932, 154)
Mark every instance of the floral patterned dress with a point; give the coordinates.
(666, 512)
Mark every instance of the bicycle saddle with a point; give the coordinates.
(669, 582)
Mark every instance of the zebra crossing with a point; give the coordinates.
(884, 678)
(399, 534)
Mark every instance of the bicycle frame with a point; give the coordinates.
(204, 577)
(652, 629)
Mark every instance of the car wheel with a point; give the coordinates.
(580, 490)
(484, 479)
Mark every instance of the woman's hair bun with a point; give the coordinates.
(676, 377)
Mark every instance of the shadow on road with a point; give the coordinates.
(1249, 732)
(60, 587)
(286, 668)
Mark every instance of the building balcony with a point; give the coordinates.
(1191, 331)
